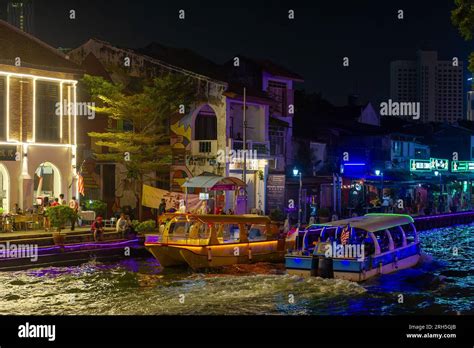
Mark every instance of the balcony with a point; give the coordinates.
(204, 148)
(262, 148)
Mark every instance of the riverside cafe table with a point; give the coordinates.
(20, 222)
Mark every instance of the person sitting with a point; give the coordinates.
(122, 225)
(97, 228)
(55, 203)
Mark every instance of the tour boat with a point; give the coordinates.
(207, 241)
(355, 249)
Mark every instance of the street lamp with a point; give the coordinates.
(378, 172)
(296, 172)
(437, 173)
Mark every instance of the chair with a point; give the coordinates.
(29, 222)
(7, 225)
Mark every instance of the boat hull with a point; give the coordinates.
(353, 269)
(212, 256)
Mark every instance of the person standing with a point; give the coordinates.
(62, 201)
(74, 205)
(46, 206)
(162, 207)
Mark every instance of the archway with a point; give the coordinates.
(4, 189)
(205, 124)
(47, 181)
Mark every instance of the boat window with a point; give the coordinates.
(329, 234)
(312, 236)
(228, 233)
(188, 231)
(410, 233)
(257, 232)
(383, 240)
(178, 229)
(359, 236)
(397, 236)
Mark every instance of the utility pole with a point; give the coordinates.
(244, 147)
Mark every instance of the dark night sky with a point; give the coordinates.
(367, 31)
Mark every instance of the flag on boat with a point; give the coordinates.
(345, 235)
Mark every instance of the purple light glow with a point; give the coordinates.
(80, 245)
(439, 216)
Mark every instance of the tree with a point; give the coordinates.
(462, 17)
(144, 146)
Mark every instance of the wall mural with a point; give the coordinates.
(180, 136)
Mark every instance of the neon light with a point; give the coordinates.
(79, 245)
(61, 110)
(443, 215)
(34, 110)
(43, 78)
(75, 113)
(439, 164)
(8, 107)
(354, 164)
(69, 133)
(462, 166)
(418, 165)
(15, 142)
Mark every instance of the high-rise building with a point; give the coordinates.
(436, 84)
(18, 13)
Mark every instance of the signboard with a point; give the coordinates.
(439, 164)
(252, 164)
(276, 192)
(421, 165)
(462, 166)
(203, 196)
(7, 153)
(418, 165)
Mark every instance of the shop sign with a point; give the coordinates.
(462, 166)
(418, 165)
(439, 164)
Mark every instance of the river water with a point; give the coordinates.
(442, 283)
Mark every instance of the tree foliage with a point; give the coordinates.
(462, 17)
(141, 141)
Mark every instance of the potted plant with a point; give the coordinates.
(324, 215)
(58, 217)
(146, 226)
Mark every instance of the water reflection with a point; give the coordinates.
(442, 283)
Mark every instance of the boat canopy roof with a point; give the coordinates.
(246, 218)
(373, 222)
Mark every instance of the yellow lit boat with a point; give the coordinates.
(207, 241)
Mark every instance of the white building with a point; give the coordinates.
(37, 135)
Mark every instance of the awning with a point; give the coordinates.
(214, 182)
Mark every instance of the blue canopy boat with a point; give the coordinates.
(355, 249)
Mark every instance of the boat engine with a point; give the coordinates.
(325, 267)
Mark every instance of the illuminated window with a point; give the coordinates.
(47, 122)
